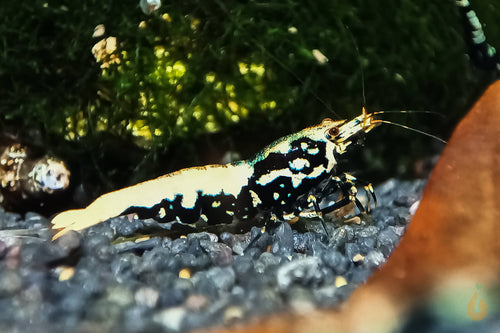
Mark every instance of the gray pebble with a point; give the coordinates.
(35, 220)
(366, 243)
(243, 265)
(367, 231)
(171, 318)
(179, 245)
(176, 294)
(209, 237)
(10, 283)
(266, 262)
(216, 281)
(283, 240)
(336, 261)
(343, 235)
(304, 271)
(219, 253)
(10, 220)
(124, 227)
(405, 200)
(351, 250)
(374, 259)
(147, 296)
(300, 299)
(69, 242)
(387, 239)
(328, 295)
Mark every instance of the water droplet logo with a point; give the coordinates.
(483, 307)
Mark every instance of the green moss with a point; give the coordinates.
(196, 67)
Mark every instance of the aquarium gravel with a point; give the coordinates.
(108, 280)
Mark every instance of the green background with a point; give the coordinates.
(199, 78)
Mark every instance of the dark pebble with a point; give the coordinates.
(40, 254)
(386, 220)
(266, 262)
(368, 231)
(387, 239)
(11, 220)
(366, 243)
(336, 261)
(105, 252)
(92, 244)
(138, 246)
(243, 265)
(222, 277)
(123, 267)
(159, 260)
(175, 293)
(303, 243)
(318, 249)
(300, 242)
(258, 239)
(124, 227)
(342, 235)
(179, 245)
(283, 240)
(405, 200)
(237, 242)
(352, 249)
(101, 231)
(214, 281)
(203, 236)
(134, 319)
(219, 253)
(69, 242)
(227, 238)
(36, 221)
(359, 275)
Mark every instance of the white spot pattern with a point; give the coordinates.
(299, 164)
(313, 151)
(255, 199)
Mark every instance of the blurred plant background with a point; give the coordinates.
(125, 96)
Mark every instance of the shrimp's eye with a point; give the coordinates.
(334, 131)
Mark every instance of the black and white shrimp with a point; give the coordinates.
(285, 180)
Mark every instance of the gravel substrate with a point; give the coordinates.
(92, 282)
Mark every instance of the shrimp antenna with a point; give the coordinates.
(409, 128)
(410, 111)
(353, 40)
(382, 112)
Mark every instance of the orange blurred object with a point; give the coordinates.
(454, 235)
